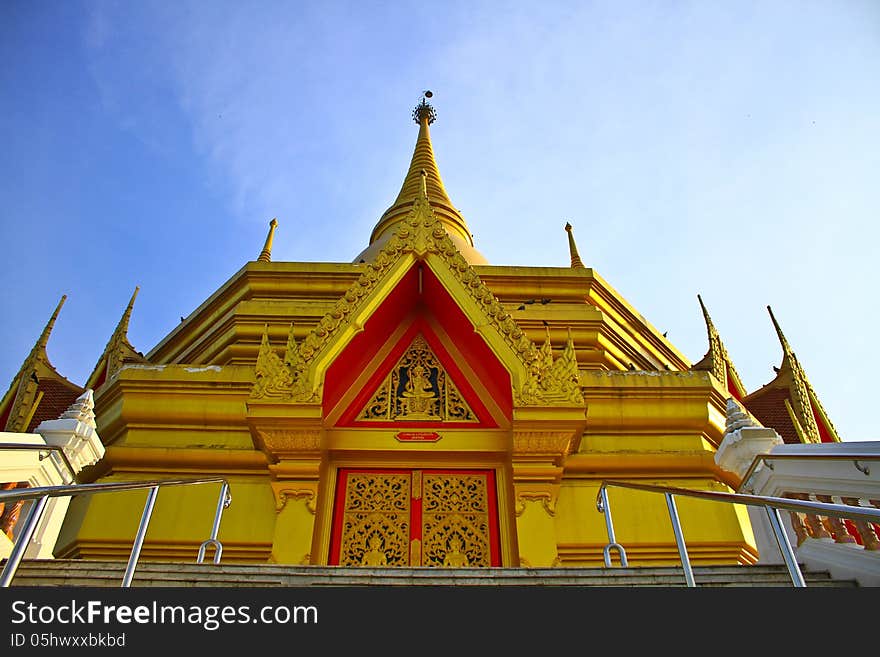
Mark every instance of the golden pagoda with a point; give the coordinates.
(414, 407)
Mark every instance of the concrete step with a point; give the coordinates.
(71, 572)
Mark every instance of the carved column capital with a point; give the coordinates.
(285, 491)
(547, 498)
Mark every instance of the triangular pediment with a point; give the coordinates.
(419, 253)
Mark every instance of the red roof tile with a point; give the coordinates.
(57, 397)
(768, 405)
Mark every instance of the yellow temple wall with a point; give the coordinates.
(184, 421)
(103, 526)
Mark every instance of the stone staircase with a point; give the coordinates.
(64, 572)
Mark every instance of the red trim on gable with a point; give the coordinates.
(358, 353)
(102, 378)
(731, 386)
(433, 303)
(5, 417)
(485, 364)
(824, 433)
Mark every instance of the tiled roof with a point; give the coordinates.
(768, 405)
(57, 397)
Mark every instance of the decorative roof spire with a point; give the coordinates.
(787, 353)
(43, 340)
(20, 402)
(717, 359)
(800, 405)
(266, 253)
(122, 327)
(118, 350)
(572, 249)
(423, 177)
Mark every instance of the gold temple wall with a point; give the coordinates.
(184, 421)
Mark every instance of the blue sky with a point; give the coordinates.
(726, 148)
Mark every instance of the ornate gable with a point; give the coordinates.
(535, 379)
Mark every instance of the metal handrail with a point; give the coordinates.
(771, 505)
(43, 493)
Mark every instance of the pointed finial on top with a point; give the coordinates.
(717, 359)
(576, 262)
(786, 348)
(424, 111)
(706, 316)
(126, 316)
(266, 253)
(44, 336)
(801, 403)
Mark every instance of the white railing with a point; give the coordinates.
(839, 473)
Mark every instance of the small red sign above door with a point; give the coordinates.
(418, 437)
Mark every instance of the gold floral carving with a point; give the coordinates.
(544, 497)
(376, 520)
(558, 443)
(455, 521)
(550, 381)
(553, 381)
(284, 441)
(418, 388)
(308, 494)
(282, 379)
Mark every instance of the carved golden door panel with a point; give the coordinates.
(434, 518)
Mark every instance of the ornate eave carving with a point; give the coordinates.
(279, 442)
(547, 443)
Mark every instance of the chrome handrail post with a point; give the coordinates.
(603, 506)
(23, 540)
(139, 539)
(224, 501)
(679, 540)
(797, 578)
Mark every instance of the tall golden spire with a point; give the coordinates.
(790, 365)
(266, 253)
(22, 397)
(122, 327)
(800, 406)
(572, 249)
(717, 359)
(118, 350)
(423, 162)
(43, 341)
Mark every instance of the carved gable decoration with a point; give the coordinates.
(417, 389)
(541, 381)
